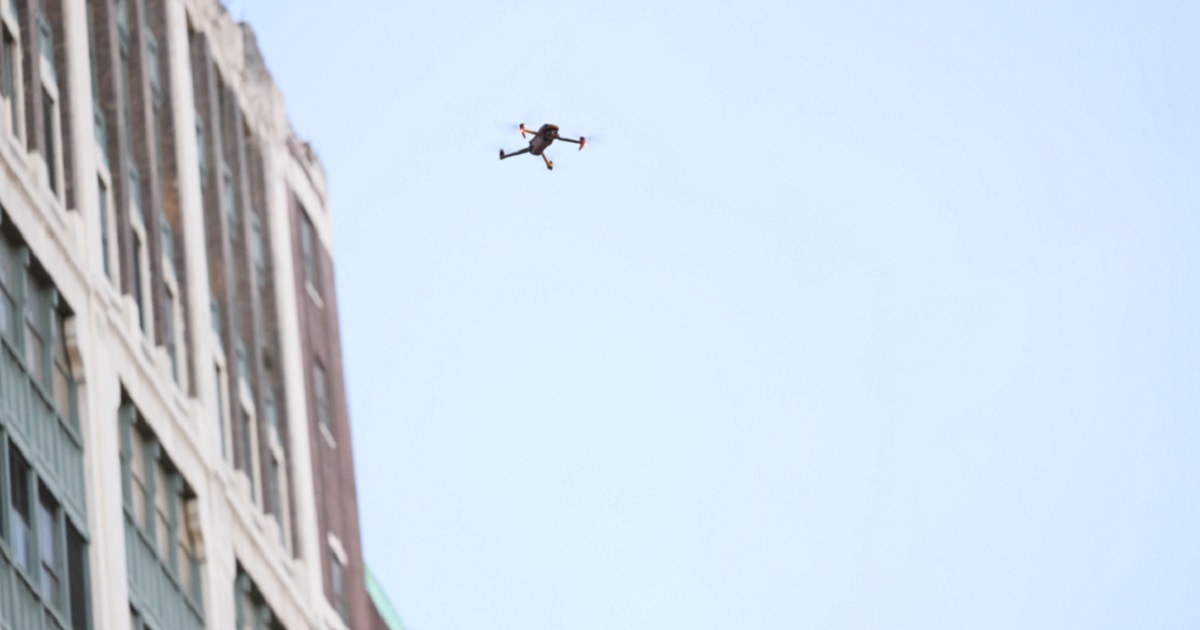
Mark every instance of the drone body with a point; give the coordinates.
(542, 138)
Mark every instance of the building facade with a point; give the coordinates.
(175, 445)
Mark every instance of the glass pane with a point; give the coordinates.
(162, 526)
(248, 450)
(51, 147)
(48, 546)
(10, 81)
(33, 352)
(103, 193)
(217, 377)
(137, 473)
(18, 478)
(77, 578)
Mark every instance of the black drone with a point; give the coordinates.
(542, 138)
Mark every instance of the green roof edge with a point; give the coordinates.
(382, 603)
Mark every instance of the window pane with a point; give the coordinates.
(77, 578)
(217, 377)
(104, 245)
(248, 450)
(48, 546)
(62, 369)
(137, 280)
(51, 148)
(18, 477)
(162, 525)
(10, 81)
(187, 550)
(137, 473)
(33, 352)
(306, 244)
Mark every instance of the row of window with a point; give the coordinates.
(43, 544)
(40, 541)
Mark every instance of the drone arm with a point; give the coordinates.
(582, 142)
(504, 155)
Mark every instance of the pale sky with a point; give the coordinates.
(850, 315)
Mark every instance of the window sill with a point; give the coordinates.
(312, 294)
(328, 437)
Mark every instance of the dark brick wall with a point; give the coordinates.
(336, 494)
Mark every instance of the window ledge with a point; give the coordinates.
(312, 293)
(328, 437)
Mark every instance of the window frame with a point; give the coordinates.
(12, 64)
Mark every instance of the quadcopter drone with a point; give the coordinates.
(542, 138)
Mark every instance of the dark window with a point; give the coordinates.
(339, 589)
(310, 259)
(51, 147)
(137, 280)
(104, 236)
(10, 81)
(217, 378)
(77, 578)
(18, 479)
(8, 305)
(320, 390)
(260, 262)
(248, 449)
(169, 332)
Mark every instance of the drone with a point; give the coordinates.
(542, 138)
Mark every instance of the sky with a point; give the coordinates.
(850, 315)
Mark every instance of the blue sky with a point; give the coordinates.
(851, 315)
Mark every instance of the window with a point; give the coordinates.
(20, 508)
(123, 22)
(64, 384)
(273, 490)
(77, 578)
(163, 541)
(219, 378)
(169, 333)
(153, 63)
(8, 303)
(248, 443)
(310, 261)
(105, 232)
(270, 410)
(162, 508)
(186, 556)
(47, 524)
(50, 120)
(12, 82)
(35, 345)
(202, 151)
(339, 589)
(260, 262)
(230, 197)
(137, 477)
(138, 292)
(243, 360)
(253, 612)
(322, 394)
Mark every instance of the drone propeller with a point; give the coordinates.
(524, 130)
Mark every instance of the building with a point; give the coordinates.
(174, 440)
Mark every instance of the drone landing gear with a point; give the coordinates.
(549, 164)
